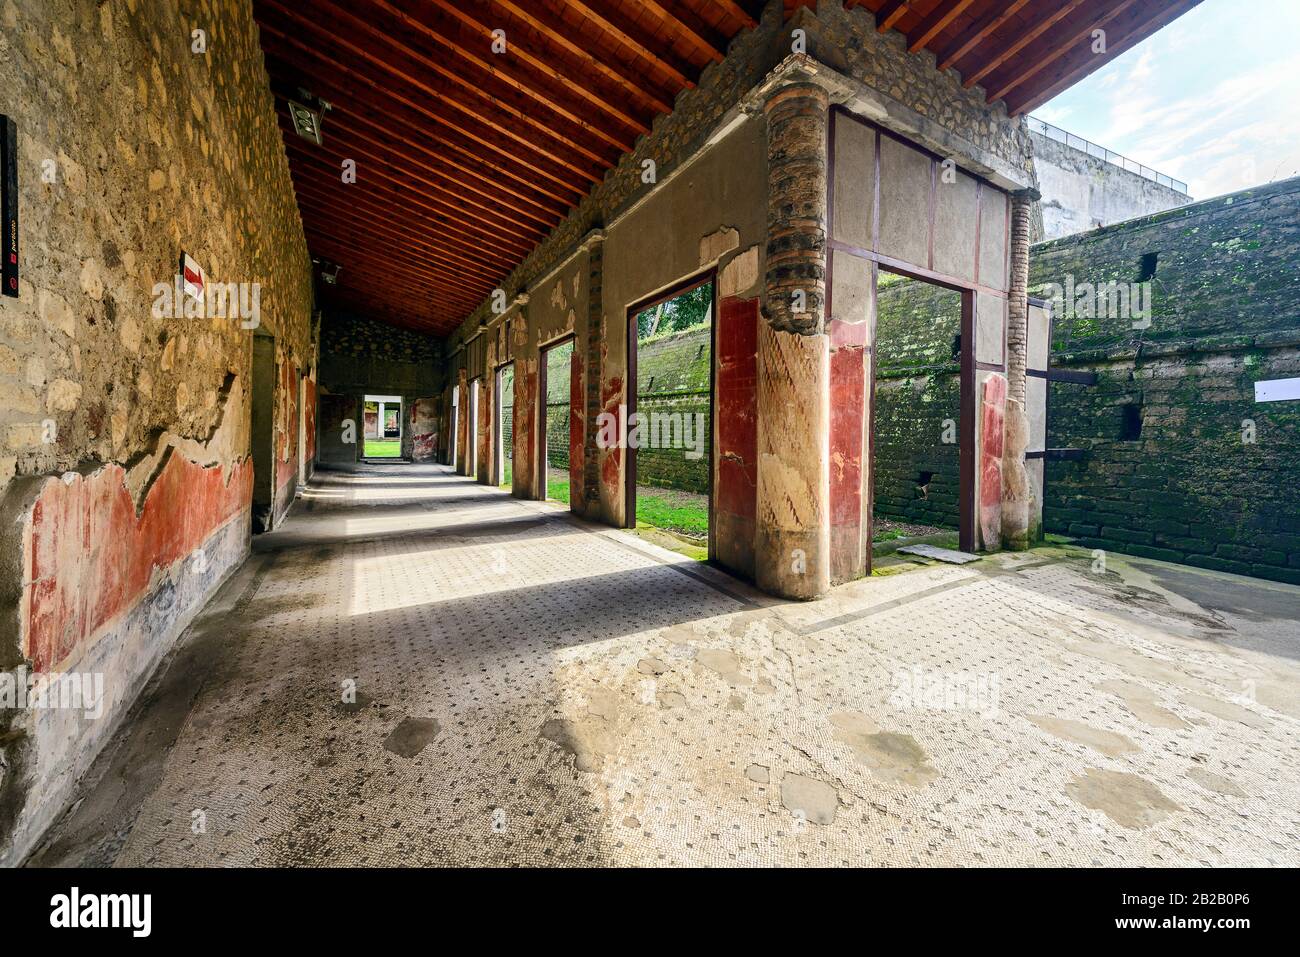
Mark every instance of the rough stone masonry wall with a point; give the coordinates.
(124, 437)
(1226, 314)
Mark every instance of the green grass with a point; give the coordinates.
(383, 448)
(557, 490)
(690, 518)
(652, 511)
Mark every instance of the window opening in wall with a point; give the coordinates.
(672, 465)
(505, 430)
(917, 415)
(556, 416)
(471, 453)
(1130, 429)
(455, 426)
(382, 431)
(1147, 267)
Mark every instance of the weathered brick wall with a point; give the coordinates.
(918, 402)
(1225, 314)
(133, 147)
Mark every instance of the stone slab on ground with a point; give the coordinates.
(947, 555)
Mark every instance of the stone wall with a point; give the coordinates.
(1182, 463)
(364, 356)
(1082, 192)
(124, 424)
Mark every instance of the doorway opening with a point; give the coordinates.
(670, 417)
(454, 431)
(382, 435)
(263, 431)
(471, 453)
(919, 416)
(556, 387)
(505, 430)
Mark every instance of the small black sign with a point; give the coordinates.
(9, 204)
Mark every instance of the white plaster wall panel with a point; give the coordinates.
(854, 288)
(993, 238)
(1036, 409)
(904, 202)
(1038, 347)
(854, 202)
(990, 328)
(956, 206)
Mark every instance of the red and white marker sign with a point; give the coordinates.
(192, 276)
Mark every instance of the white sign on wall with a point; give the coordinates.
(1277, 390)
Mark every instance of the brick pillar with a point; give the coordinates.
(792, 537)
(1015, 477)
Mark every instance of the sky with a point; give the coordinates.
(1212, 99)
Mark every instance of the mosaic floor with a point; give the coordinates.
(419, 670)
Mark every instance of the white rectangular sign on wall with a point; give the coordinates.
(1277, 390)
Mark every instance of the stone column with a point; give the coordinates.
(1015, 477)
(792, 538)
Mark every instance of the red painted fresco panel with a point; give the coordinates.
(848, 406)
(992, 418)
(737, 415)
(92, 558)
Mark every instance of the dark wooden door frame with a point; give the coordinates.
(540, 412)
(966, 505)
(629, 472)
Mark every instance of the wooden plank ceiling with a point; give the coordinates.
(466, 158)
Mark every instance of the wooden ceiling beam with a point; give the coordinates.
(738, 13)
(891, 11)
(308, 59)
(582, 86)
(622, 35)
(481, 88)
(979, 33)
(945, 13)
(396, 231)
(684, 24)
(347, 301)
(351, 241)
(354, 144)
(1079, 65)
(1058, 13)
(411, 78)
(495, 227)
(1079, 29)
(465, 45)
(471, 259)
(557, 35)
